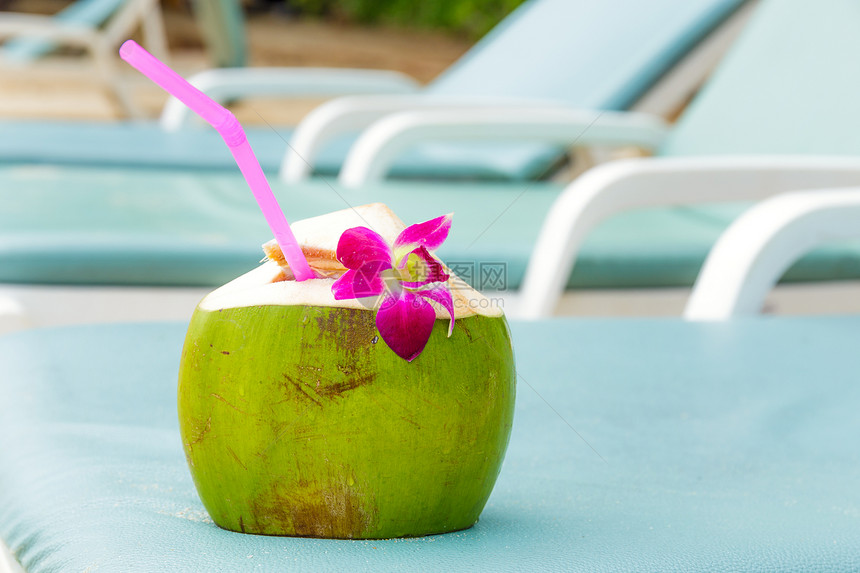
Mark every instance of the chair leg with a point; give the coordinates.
(107, 68)
(154, 36)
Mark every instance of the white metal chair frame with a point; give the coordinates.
(101, 43)
(755, 251)
(635, 184)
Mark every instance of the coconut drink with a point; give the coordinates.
(372, 401)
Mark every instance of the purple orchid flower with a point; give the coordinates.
(408, 275)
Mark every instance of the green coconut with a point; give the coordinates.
(297, 419)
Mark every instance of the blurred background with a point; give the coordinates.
(420, 39)
(555, 89)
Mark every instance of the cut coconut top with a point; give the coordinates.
(318, 236)
(273, 284)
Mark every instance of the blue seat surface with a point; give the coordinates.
(132, 144)
(596, 55)
(194, 229)
(697, 447)
(145, 145)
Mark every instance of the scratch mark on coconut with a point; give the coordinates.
(301, 432)
(465, 329)
(235, 457)
(430, 403)
(383, 407)
(411, 421)
(301, 388)
(201, 432)
(338, 389)
(324, 387)
(219, 397)
(308, 433)
(281, 431)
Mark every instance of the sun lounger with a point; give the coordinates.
(580, 54)
(496, 225)
(751, 133)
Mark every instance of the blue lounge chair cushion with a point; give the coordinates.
(801, 102)
(594, 55)
(145, 145)
(128, 144)
(716, 447)
(191, 229)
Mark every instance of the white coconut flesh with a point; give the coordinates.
(272, 283)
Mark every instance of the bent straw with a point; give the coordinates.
(234, 136)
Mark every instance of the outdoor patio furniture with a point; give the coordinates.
(755, 251)
(573, 53)
(752, 132)
(97, 26)
(202, 229)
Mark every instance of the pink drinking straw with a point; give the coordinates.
(234, 136)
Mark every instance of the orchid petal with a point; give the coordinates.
(424, 267)
(430, 234)
(442, 295)
(361, 282)
(361, 245)
(405, 322)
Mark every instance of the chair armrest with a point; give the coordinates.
(45, 27)
(372, 155)
(750, 256)
(231, 83)
(641, 183)
(355, 113)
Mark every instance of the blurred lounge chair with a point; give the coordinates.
(635, 232)
(755, 251)
(195, 229)
(548, 52)
(97, 26)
